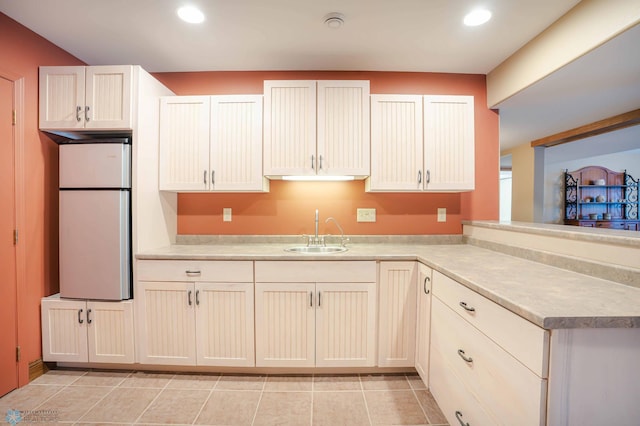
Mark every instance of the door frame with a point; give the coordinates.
(20, 212)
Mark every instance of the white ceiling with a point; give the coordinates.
(378, 35)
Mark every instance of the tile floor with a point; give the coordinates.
(107, 397)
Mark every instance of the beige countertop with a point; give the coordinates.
(549, 297)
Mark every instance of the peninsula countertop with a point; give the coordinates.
(550, 297)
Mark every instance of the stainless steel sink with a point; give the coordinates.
(316, 249)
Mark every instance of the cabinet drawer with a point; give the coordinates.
(505, 387)
(195, 270)
(453, 397)
(316, 271)
(525, 341)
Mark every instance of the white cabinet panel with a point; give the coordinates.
(184, 143)
(289, 127)
(397, 314)
(285, 324)
(423, 322)
(396, 143)
(93, 97)
(449, 143)
(85, 331)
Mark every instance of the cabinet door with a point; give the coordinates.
(110, 332)
(166, 323)
(61, 91)
(64, 330)
(345, 324)
(343, 128)
(423, 323)
(397, 314)
(236, 143)
(184, 143)
(396, 143)
(449, 143)
(108, 97)
(224, 324)
(285, 324)
(290, 128)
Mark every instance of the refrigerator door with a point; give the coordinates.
(95, 165)
(94, 244)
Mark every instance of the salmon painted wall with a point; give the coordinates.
(21, 52)
(289, 206)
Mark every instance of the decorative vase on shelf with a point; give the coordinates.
(600, 199)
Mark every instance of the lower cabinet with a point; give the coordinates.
(87, 331)
(204, 319)
(328, 320)
(423, 322)
(488, 365)
(397, 314)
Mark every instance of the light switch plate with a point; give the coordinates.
(442, 215)
(226, 214)
(366, 215)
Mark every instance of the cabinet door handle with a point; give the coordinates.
(459, 417)
(192, 273)
(189, 297)
(86, 113)
(80, 320)
(319, 299)
(204, 177)
(428, 176)
(89, 321)
(213, 177)
(198, 297)
(419, 176)
(464, 357)
(311, 299)
(467, 308)
(313, 162)
(320, 162)
(425, 285)
(78, 110)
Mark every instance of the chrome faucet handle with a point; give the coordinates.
(344, 240)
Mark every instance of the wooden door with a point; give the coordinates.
(184, 143)
(166, 323)
(396, 143)
(224, 324)
(346, 325)
(290, 128)
(343, 128)
(285, 324)
(423, 322)
(397, 318)
(110, 332)
(108, 97)
(449, 143)
(8, 288)
(236, 143)
(62, 97)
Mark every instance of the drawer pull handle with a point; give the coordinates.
(192, 273)
(467, 308)
(464, 357)
(459, 417)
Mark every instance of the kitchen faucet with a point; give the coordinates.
(343, 240)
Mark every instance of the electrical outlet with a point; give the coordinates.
(442, 215)
(226, 214)
(366, 215)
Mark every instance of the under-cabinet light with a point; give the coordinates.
(318, 178)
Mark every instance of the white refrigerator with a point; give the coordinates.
(95, 219)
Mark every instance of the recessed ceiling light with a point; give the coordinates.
(334, 20)
(477, 17)
(191, 14)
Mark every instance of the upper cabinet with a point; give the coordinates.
(422, 143)
(211, 143)
(94, 97)
(316, 128)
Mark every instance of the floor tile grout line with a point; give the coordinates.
(364, 398)
(113, 388)
(154, 399)
(213, 388)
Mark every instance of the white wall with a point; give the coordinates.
(617, 151)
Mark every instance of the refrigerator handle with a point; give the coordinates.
(80, 320)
